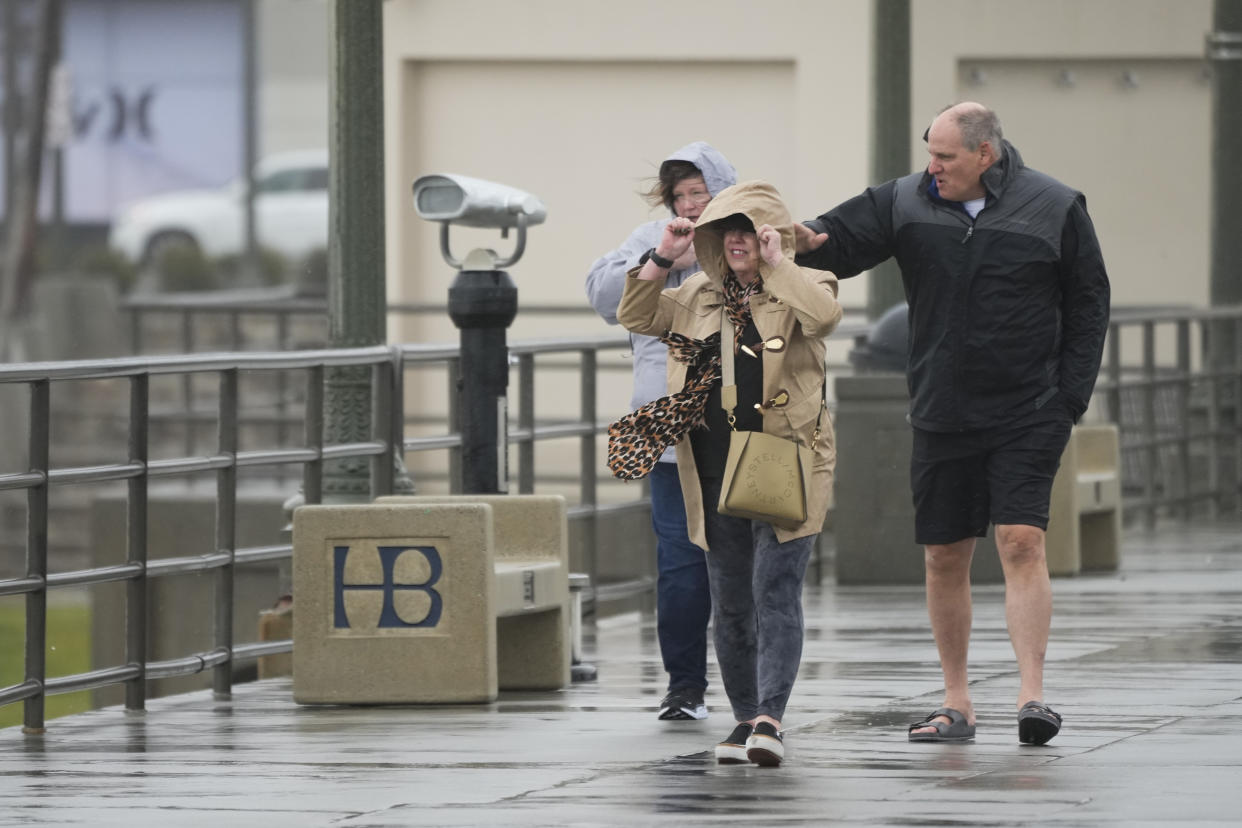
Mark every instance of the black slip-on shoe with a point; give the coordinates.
(732, 751)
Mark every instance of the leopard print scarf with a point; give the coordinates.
(637, 440)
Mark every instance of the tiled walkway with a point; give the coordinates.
(1145, 665)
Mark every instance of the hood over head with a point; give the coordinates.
(758, 201)
(718, 173)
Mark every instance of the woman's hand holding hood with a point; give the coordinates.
(811, 294)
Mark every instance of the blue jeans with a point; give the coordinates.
(757, 591)
(683, 599)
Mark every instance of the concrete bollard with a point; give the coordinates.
(1084, 525)
(394, 604)
(431, 599)
(874, 519)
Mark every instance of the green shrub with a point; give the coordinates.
(104, 261)
(184, 267)
(68, 653)
(273, 268)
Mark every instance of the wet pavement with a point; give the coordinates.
(1145, 665)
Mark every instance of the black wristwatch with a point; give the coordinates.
(660, 261)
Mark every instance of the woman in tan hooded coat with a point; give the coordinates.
(781, 313)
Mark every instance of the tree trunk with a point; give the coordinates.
(23, 227)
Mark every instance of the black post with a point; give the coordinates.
(890, 123)
(356, 292)
(1225, 54)
(482, 304)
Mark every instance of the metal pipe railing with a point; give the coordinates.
(137, 470)
(1178, 414)
(388, 368)
(136, 542)
(226, 531)
(1202, 425)
(36, 548)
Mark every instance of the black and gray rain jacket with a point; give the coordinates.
(1008, 312)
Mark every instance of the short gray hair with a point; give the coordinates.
(978, 125)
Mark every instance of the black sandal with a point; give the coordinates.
(1037, 723)
(955, 730)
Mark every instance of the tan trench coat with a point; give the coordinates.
(797, 303)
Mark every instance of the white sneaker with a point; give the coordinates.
(765, 747)
(683, 703)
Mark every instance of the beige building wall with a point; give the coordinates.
(293, 49)
(1111, 97)
(578, 102)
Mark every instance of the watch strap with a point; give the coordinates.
(660, 261)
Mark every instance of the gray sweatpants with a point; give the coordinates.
(756, 586)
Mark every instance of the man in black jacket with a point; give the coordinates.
(1008, 308)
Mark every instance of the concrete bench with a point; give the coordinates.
(1084, 520)
(431, 599)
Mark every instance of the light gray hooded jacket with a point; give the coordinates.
(606, 281)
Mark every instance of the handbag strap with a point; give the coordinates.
(728, 388)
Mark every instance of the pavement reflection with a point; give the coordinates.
(1145, 665)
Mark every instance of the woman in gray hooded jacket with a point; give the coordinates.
(688, 179)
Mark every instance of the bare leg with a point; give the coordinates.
(948, 606)
(1028, 603)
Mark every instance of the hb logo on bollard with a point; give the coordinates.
(399, 594)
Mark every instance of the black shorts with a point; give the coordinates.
(962, 481)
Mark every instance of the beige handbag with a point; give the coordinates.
(765, 478)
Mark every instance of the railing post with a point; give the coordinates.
(226, 531)
(282, 390)
(396, 424)
(312, 472)
(1235, 496)
(1115, 413)
(454, 422)
(1211, 372)
(1114, 374)
(1149, 421)
(526, 422)
(1183, 416)
(588, 467)
(36, 554)
(136, 542)
(187, 383)
(383, 466)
